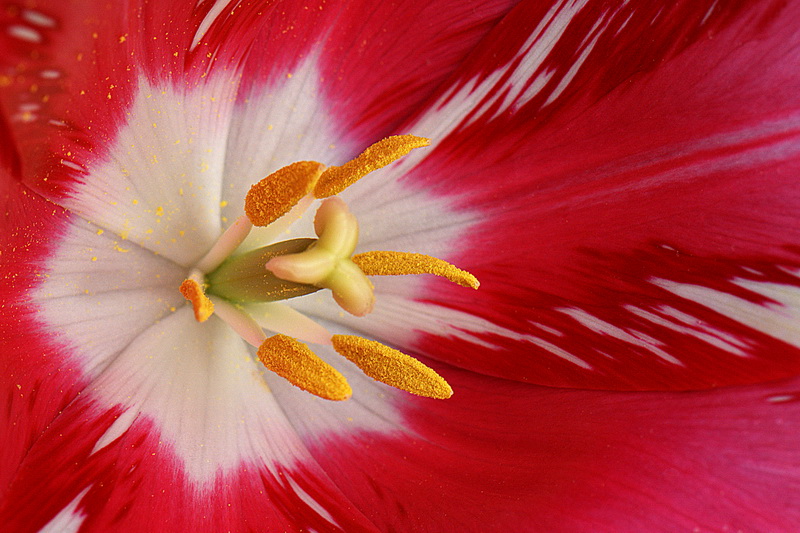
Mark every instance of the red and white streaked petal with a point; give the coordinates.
(37, 381)
(69, 73)
(52, 90)
(629, 230)
(181, 410)
(566, 460)
(135, 330)
(131, 453)
(377, 61)
(61, 466)
(68, 90)
(69, 519)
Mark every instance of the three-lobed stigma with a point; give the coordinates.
(244, 287)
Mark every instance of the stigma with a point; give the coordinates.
(246, 287)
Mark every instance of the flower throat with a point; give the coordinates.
(243, 287)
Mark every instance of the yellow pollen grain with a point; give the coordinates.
(275, 195)
(296, 363)
(203, 307)
(402, 263)
(392, 367)
(336, 179)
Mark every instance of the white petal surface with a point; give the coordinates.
(202, 385)
(160, 185)
(100, 292)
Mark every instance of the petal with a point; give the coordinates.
(182, 412)
(136, 483)
(52, 90)
(373, 72)
(77, 100)
(504, 456)
(36, 382)
(633, 222)
(135, 338)
(70, 72)
(324, 83)
(71, 76)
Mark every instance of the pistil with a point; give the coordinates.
(327, 263)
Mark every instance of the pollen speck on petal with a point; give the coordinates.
(392, 367)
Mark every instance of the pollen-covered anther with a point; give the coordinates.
(392, 367)
(379, 263)
(296, 363)
(336, 179)
(275, 195)
(193, 291)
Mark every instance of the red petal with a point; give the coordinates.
(65, 85)
(37, 382)
(358, 68)
(136, 484)
(383, 60)
(638, 226)
(69, 73)
(504, 456)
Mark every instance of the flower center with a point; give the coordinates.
(244, 287)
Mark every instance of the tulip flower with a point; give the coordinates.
(400, 266)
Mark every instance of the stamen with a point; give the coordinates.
(336, 179)
(275, 195)
(295, 362)
(392, 367)
(283, 319)
(225, 245)
(239, 321)
(401, 263)
(192, 291)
